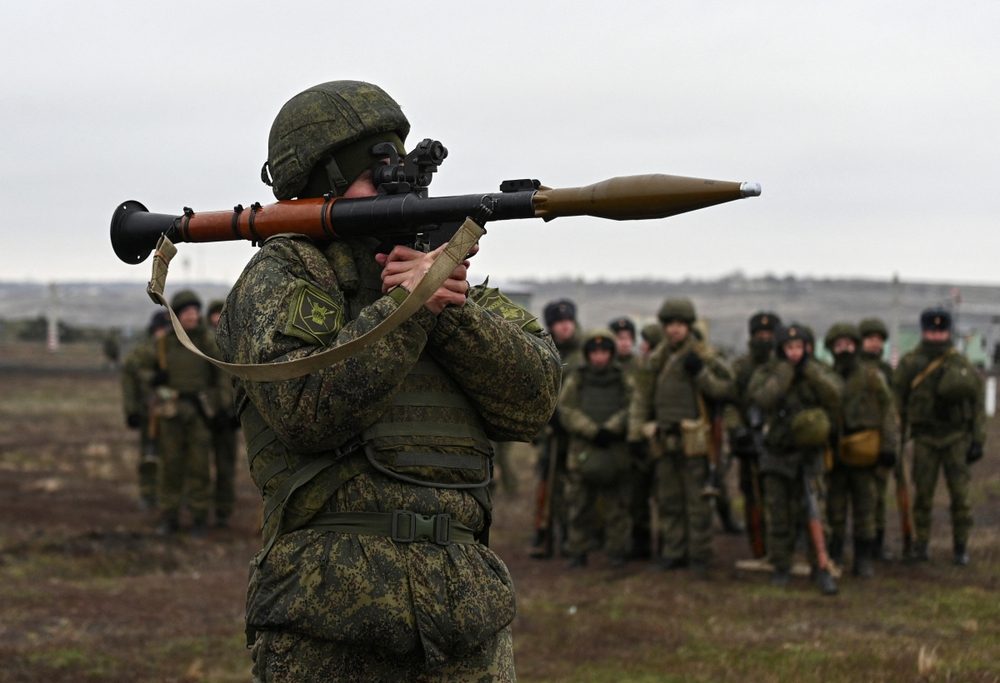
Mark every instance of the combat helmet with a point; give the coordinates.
(839, 330)
(330, 129)
(183, 299)
(652, 334)
(677, 309)
(873, 326)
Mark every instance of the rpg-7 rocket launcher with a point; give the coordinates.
(402, 213)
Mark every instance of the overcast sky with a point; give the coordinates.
(873, 128)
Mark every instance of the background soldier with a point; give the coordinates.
(867, 437)
(224, 428)
(760, 350)
(140, 366)
(371, 569)
(874, 334)
(550, 513)
(624, 331)
(652, 335)
(798, 397)
(940, 396)
(593, 407)
(189, 391)
(678, 379)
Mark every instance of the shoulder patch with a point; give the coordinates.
(313, 316)
(494, 301)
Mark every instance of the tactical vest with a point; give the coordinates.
(800, 396)
(431, 435)
(188, 372)
(861, 407)
(945, 400)
(601, 395)
(675, 397)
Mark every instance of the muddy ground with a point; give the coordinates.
(89, 593)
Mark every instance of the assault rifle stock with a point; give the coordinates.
(402, 213)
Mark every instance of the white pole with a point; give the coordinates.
(991, 396)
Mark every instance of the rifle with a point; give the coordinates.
(544, 537)
(402, 213)
(903, 505)
(713, 485)
(816, 533)
(754, 499)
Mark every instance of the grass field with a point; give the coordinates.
(89, 593)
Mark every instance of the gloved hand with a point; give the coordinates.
(604, 437)
(133, 420)
(639, 450)
(742, 443)
(160, 377)
(693, 364)
(974, 453)
(887, 459)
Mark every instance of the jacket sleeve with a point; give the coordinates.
(978, 406)
(769, 383)
(135, 397)
(324, 409)
(510, 375)
(222, 384)
(890, 418)
(905, 372)
(640, 410)
(574, 420)
(618, 423)
(716, 380)
(827, 386)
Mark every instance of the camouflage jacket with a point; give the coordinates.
(782, 391)
(867, 403)
(946, 404)
(591, 400)
(137, 376)
(187, 373)
(665, 393)
(294, 300)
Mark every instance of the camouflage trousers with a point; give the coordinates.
(224, 445)
(787, 515)
(291, 658)
(881, 487)
(930, 457)
(854, 487)
(685, 516)
(185, 444)
(640, 491)
(584, 510)
(149, 465)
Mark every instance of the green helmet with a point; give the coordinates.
(336, 123)
(599, 338)
(841, 330)
(183, 299)
(873, 326)
(652, 334)
(215, 306)
(810, 428)
(677, 309)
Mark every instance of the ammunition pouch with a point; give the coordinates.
(600, 467)
(165, 402)
(696, 437)
(860, 449)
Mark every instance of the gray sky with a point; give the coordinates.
(873, 128)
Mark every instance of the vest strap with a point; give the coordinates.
(430, 399)
(275, 467)
(451, 461)
(404, 429)
(402, 526)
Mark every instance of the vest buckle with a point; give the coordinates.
(409, 527)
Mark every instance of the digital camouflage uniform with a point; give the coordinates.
(783, 391)
(137, 376)
(329, 603)
(187, 402)
(667, 393)
(592, 400)
(866, 404)
(946, 416)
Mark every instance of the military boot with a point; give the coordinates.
(825, 581)
(199, 528)
(781, 577)
(863, 559)
(920, 553)
(577, 562)
(835, 548)
(961, 555)
(642, 547)
(168, 526)
(541, 546)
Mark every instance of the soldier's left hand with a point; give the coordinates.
(405, 267)
(887, 459)
(693, 364)
(974, 453)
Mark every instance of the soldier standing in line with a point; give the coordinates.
(677, 381)
(940, 397)
(652, 336)
(593, 407)
(874, 335)
(553, 442)
(189, 392)
(867, 441)
(137, 393)
(224, 427)
(374, 470)
(797, 397)
(760, 351)
(624, 331)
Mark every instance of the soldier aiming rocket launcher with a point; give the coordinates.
(402, 213)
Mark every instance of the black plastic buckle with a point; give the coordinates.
(433, 528)
(411, 525)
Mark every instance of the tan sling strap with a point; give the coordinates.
(453, 254)
(935, 364)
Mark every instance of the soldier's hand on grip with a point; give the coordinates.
(693, 364)
(974, 453)
(405, 267)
